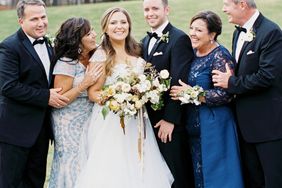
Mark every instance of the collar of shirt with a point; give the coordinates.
(159, 31)
(249, 24)
(31, 39)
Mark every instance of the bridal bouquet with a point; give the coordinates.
(132, 90)
(191, 95)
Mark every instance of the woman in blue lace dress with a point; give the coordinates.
(74, 45)
(211, 126)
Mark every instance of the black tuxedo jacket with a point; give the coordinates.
(176, 56)
(24, 91)
(258, 83)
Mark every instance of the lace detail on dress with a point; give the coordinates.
(201, 75)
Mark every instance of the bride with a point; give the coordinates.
(112, 156)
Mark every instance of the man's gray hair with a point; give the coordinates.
(23, 3)
(250, 3)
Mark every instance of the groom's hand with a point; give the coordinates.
(165, 130)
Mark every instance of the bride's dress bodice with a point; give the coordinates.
(136, 66)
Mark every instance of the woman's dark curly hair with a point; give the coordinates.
(68, 38)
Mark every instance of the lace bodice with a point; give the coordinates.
(137, 66)
(201, 75)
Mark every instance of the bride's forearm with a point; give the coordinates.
(94, 91)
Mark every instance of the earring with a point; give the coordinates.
(79, 50)
(212, 41)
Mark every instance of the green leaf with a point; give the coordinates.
(105, 112)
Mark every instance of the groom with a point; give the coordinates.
(25, 77)
(166, 47)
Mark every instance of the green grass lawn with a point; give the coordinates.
(181, 12)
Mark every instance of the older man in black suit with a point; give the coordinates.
(167, 47)
(257, 84)
(25, 77)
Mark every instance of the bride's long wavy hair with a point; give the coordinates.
(132, 47)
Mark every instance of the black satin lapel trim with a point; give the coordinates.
(234, 43)
(145, 47)
(156, 45)
(32, 51)
(52, 64)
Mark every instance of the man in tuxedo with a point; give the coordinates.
(25, 77)
(257, 85)
(167, 47)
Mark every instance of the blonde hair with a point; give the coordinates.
(131, 46)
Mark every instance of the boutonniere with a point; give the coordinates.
(165, 37)
(50, 40)
(250, 35)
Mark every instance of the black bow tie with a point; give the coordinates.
(240, 29)
(38, 41)
(155, 35)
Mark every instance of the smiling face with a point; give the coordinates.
(233, 11)
(118, 27)
(34, 22)
(199, 34)
(88, 41)
(155, 13)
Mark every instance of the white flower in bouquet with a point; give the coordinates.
(185, 98)
(142, 77)
(191, 95)
(156, 82)
(125, 87)
(121, 97)
(143, 86)
(162, 88)
(138, 104)
(153, 96)
(164, 74)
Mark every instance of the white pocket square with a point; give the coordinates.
(250, 52)
(157, 53)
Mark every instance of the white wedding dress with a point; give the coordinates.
(112, 156)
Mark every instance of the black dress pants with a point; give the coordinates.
(22, 167)
(262, 164)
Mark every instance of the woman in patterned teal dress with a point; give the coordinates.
(211, 125)
(74, 45)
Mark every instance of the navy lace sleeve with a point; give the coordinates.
(216, 95)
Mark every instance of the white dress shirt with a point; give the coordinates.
(159, 32)
(248, 26)
(42, 52)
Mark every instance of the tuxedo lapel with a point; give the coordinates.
(246, 43)
(234, 42)
(29, 47)
(145, 47)
(52, 64)
(158, 42)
